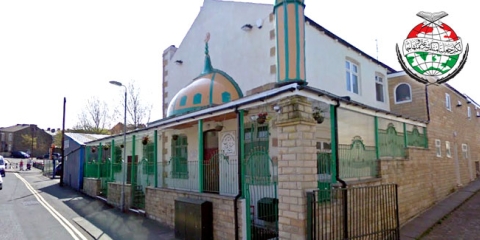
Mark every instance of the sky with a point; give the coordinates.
(56, 49)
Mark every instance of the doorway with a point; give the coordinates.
(210, 162)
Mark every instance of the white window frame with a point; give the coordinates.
(3, 137)
(465, 151)
(350, 72)
(10, 137)
(395, 93)
(448, 102)
(469, 112)
(438, 147)
(447, 149)
(382, 83)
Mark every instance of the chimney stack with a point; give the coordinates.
(290, 37)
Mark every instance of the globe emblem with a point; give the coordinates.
(432, 49)
(434, 61)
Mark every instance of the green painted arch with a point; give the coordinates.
(228, 77)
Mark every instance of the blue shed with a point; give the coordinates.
(74, 147)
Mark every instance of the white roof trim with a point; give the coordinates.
(397, 74)
(380, 114)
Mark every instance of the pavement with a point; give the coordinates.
(99, 219)
(426, 223)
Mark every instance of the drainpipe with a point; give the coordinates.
(428, 105)
(239, 167)
(337, 176)
(337, 162)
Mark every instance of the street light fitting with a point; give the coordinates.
(116, 83)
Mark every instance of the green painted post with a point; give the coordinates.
(155, 156)
(87, 166)
(405, 140)
(425, 136)
(200, 155)
(132, 173)
(377, 148)
(310, 202)
(241, 141)
(112, 157)
(100, 150)
(333, 144)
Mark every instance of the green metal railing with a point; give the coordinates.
(391, 143)
(219, 174)
(415, 138)
(357, 160)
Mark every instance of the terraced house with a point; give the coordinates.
(283, 130)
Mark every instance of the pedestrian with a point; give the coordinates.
(21, 165)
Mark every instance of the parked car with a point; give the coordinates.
(19, 154)
(2, 166)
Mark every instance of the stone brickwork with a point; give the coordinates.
(114, 195)
(417, 108)
(297, 162)
(424, 178)
(91, 186)
(160, 206)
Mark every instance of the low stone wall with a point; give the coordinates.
(91, 186)
(160, 206)
(115, 194)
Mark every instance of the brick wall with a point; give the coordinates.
(91, 186)
(160, 206)
(425, 178)
(416, 108)
(114, 194)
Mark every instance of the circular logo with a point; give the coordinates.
(432, 51)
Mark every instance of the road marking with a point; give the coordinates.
(64, 222)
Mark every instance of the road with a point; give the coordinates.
(28, 211)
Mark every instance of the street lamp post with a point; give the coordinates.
(124, 165)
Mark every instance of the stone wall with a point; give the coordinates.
(91, 186)
(115, 194)
(160, 206)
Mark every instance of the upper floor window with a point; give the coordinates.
(3, 137)
(438, 147)
(352, 77)
(469, 112)
(10, 137)
(447, 149)
(448, 102)
(403, 93)
(465, 151)
(379, 88)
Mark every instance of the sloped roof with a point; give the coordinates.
(14, 128)
(82, 138)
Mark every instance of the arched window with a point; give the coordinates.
(403, 93)
(197, 98)
(183, 101)
(226, 96)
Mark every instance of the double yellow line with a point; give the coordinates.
(64, 222)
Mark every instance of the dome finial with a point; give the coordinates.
(208, 63)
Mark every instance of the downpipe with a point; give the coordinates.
(337, 176)
(239, 171)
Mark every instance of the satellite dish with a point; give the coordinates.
(259, 23)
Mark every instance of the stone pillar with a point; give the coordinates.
(297, 165)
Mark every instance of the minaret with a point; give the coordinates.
(290, 37)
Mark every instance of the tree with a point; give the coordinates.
(30, 140)
(138, 111)
(94, 118)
